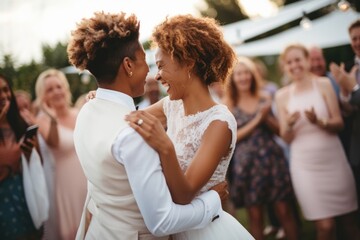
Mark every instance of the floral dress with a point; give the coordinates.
(259, 171)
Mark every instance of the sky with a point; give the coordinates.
(26, 25)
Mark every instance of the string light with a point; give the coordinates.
(305, 22)
(343, 5)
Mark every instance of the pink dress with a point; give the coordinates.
(70, 185)
(323, 181)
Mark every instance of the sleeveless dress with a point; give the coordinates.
(70, 185)
(322, 179)
(259, 169)
(186, 133)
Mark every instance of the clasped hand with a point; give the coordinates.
(150, 128)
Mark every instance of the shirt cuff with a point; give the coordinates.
(212, 205)
(355, 88)
(345, 99)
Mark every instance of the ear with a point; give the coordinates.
(128, 66)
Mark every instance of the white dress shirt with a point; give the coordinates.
(142, 164)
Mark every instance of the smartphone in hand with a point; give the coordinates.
(31, 131)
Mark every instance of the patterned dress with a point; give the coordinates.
(186, 133)
(259, 172)
(15, 219)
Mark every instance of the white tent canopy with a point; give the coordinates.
(236, 33)
(330, 30)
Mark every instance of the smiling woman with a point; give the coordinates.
(57, 121)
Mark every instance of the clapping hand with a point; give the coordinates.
(311, 115)
(292, 118)
(4, 110)
(346, 80)
(27, 116)
(27, 144)
(48, 110)
(264, 110)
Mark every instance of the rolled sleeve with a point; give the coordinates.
(161, 215)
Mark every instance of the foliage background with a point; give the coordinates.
(23, 76)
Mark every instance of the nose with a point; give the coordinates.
(157, 76)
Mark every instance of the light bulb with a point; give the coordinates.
(343, 5)
(305, 23)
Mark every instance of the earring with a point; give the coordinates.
(130, 74)
(189, 75)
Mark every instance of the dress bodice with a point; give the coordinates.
(186, 133)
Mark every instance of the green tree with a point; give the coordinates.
(56, 56)
(7, 68)
(224, 11)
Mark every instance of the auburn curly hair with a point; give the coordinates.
(196, 41)
(99, 44)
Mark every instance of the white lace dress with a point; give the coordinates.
(186, 133)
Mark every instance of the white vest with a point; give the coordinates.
(110, 199)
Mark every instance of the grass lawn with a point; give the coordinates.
(307, 228)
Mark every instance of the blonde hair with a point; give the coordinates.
(231, 92)
(40, 84)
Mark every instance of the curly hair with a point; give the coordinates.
(99, 44)
(196, 41)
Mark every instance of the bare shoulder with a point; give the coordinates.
(324, 85)
(323, 81)
(282, 94)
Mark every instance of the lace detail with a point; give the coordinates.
(186, 133)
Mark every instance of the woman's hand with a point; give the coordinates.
(264, 110)
(311, 115)
(27, 145)
(291, 119)
(28, 116)
(4, 110)
(90, 95)
(150, 128)
(48, 111)
(222, 190)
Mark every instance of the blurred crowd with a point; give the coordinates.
(297, 154)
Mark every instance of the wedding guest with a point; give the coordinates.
(15, 218)
(56, 121)
(310, 118)
(260, 174)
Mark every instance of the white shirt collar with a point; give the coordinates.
(115, 96)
